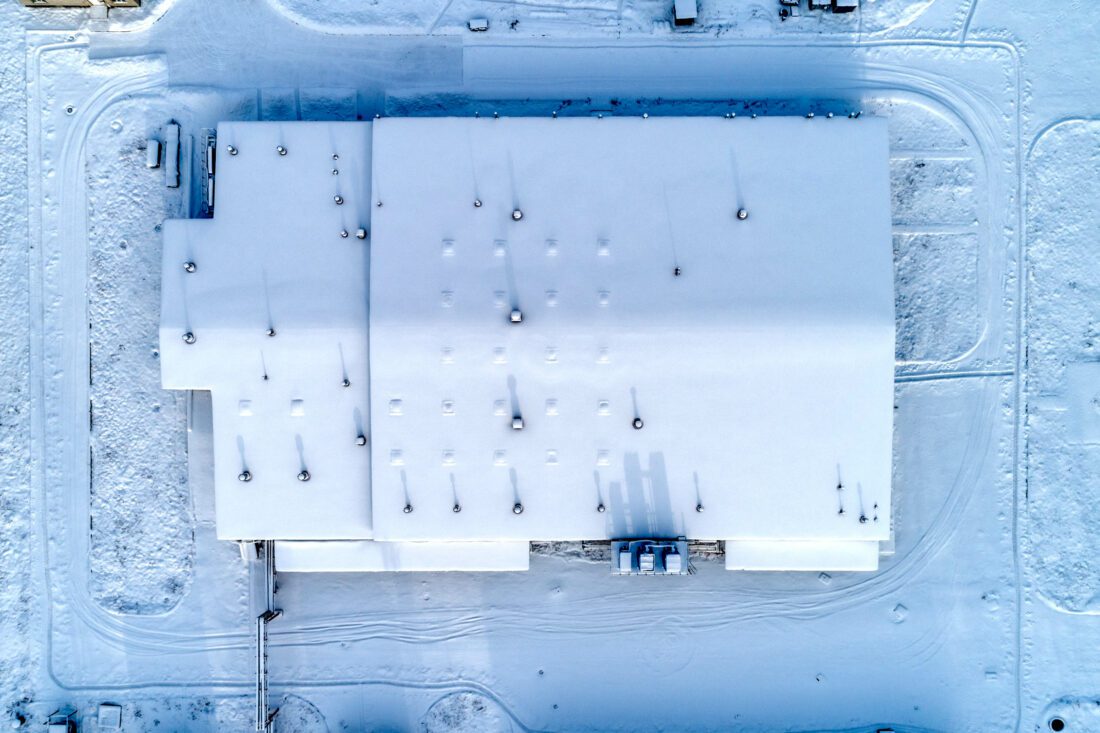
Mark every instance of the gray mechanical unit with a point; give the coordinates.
(650, 557)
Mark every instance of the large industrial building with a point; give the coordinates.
(430, 342)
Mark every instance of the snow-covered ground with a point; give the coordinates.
(987, 617)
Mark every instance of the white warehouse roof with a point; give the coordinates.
(756, 352)
(272, 258)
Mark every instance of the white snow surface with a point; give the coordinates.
(982, 620)
(424, 557)
(763, 373)
(804, 555)
(755, 351)
(273, 261)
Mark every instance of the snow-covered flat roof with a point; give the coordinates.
(762, 372)
(577, 329)
(272, 258)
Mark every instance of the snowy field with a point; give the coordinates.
(986, 617)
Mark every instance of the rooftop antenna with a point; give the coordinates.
(738, 196)
(303, 474)
(515, 312)
(517, 507)
(376, 188)
(245, 475)
(343, 366)
(517, 212)
(839, 491)
(267, 304)
(405, 486)
(473, 168)
(676, 271)
(518, 422)
(636, 423)
(360, 433)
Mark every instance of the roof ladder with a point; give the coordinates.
(265, 716)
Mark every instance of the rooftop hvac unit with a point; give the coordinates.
(649, 557)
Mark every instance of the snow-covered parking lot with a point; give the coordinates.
(113, 587)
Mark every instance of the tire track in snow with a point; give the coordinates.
(713, 614)
(947, 520)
